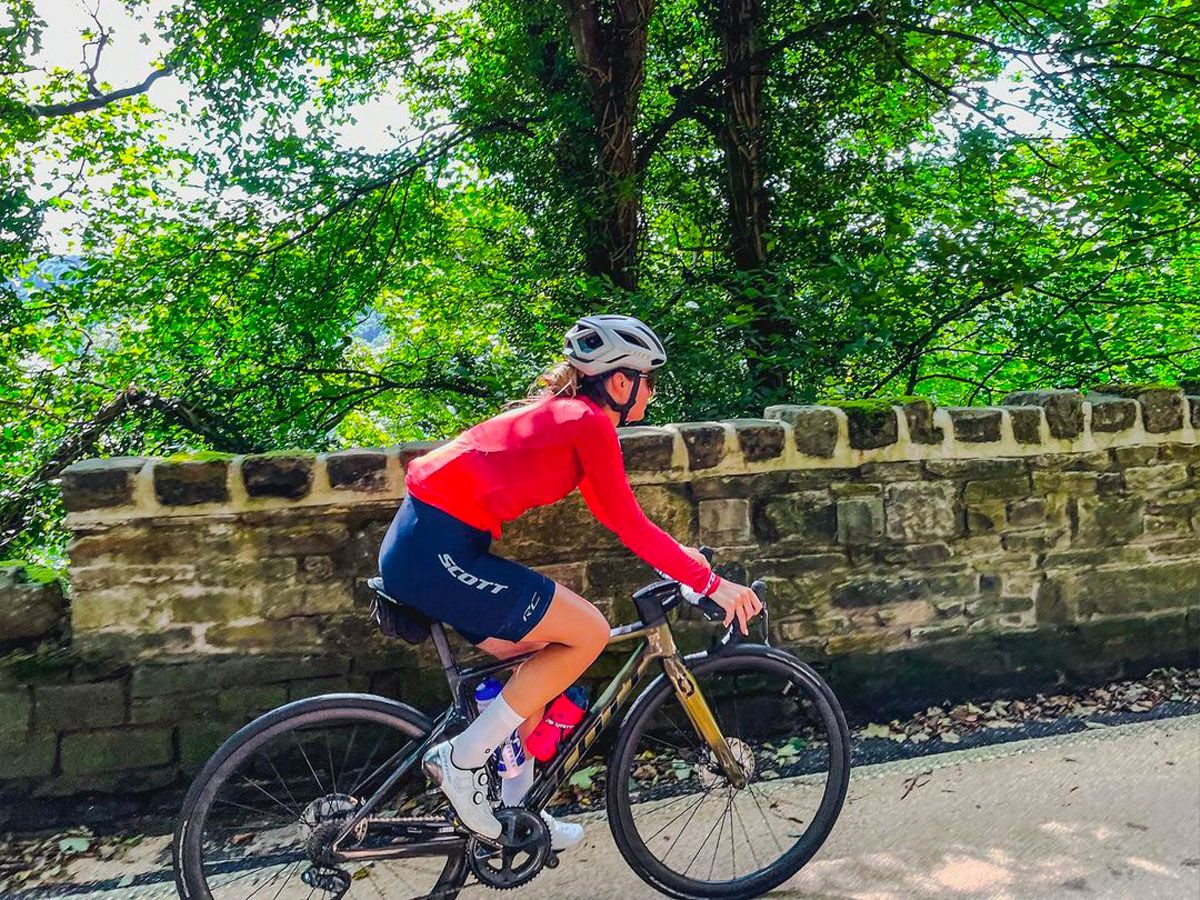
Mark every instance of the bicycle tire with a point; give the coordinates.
(186, 847)
(626, 835)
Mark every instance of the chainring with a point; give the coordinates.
(522, 851)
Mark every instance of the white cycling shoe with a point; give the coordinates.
(563, 835)
(466, 789)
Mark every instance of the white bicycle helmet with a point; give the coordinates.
(599, 344)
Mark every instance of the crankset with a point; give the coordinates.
(517, 856)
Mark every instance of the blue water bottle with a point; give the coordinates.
(510, 758)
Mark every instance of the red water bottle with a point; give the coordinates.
(563, 714)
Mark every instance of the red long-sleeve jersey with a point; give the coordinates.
(536, 454)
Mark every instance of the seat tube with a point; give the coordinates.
(692, 700)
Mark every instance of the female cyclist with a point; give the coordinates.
(435, 556)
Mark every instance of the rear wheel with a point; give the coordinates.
(674, 815)
(260, 816)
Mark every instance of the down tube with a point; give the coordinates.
(577, 745)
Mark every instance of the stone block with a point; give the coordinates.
(1183, 453)
(1107, 521)
(705, 442)
(877, 473)
(16, 709)
(1068, 558)
(972, 469)
(100, 483)
(871, 426)
(919, 416)
(87, 752)
(723, 522)
(1071, 483)
(1162, 407)
(301, 537)
(189, 482)
(859, 521)
(974, 424)
(919, 511)
(278, 475)
(1180, 547)
(159, 678)
(30, 611)
(301, 632)
(1021, 513)
(1086, 461)
(1109, 483)
(1153, 479)
(808, 516)
(866, 592)
(27, 758)
(1124, 457)
(815, 428)
(985, 517)
(865, 642)
(214, 604)
(250, 700)
(411, 450)
(1194, 411)
(948, 609)
(936, 632)
(996, 489)
(281, 601)
(1110, 414)
(1038, 541)
(1063, 409)
(199, 740)
(572, 575)
(1026, 424)
(364, 471)
(77, 707)
(647, 449)
(1126, 591)
(759, 439)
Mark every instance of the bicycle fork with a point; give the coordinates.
(662, 644)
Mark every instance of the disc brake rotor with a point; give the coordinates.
(710, 773)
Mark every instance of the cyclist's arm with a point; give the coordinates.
(606, 491)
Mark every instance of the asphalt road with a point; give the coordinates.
(1110, 812)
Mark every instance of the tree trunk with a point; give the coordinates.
(741, 136)
(612, 56)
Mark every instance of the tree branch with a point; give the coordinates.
(689, 100)
(54, 110)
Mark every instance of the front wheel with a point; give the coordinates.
(679, 822)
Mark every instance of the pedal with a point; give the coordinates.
(552, 860)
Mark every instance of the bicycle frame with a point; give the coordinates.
(659, 644)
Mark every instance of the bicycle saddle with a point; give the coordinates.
(394, 618)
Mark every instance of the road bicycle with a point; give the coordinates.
(725, 775)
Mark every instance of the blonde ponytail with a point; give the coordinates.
(560, 380)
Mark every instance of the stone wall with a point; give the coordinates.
(913, 553)
(32, 606)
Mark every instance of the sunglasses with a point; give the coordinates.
(648, 377)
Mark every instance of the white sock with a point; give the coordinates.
(513, 790)
(472, 748)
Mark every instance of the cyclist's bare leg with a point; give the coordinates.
(576, 633)
(502, 649)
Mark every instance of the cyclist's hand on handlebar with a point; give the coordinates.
(695, 554)
(738, 601)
